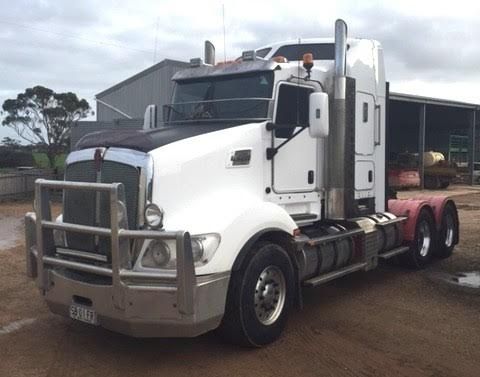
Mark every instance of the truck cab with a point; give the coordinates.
(267, 175)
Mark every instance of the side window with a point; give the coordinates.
(263, 52)
(292, 108)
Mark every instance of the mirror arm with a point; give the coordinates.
(271, 152)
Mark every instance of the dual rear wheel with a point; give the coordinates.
(430, 242)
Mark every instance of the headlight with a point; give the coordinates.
(153, 216)
(163, 254)
(158, 255)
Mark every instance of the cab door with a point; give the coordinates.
(295, 161)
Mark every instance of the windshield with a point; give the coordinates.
(241, 97)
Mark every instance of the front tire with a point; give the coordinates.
(421, 249)
(259, 297)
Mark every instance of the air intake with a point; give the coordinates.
(209, 53)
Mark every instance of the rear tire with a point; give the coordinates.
(259, 298)
(448, 232)
(421, 249)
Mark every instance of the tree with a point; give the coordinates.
(11, 143)
(45, 118)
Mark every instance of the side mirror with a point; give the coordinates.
(318, 115)
(150, 119)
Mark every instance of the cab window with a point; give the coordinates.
(320, 51)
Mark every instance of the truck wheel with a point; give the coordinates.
(259, 297)
(448, 232)
(421, 249)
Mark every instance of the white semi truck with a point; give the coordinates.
(268, 175)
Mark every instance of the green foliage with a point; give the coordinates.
(45, 118)
(42, 161)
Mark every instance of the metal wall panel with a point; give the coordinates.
(152, 86)
(86, 127)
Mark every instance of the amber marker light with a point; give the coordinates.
(308, 62)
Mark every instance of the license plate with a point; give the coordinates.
(81, 313)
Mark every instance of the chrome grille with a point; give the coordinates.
(79, 206)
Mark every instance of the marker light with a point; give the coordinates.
(227, 62)
(249, 55)
(196, 62)
(308, 61)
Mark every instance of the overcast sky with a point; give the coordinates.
(431, 47)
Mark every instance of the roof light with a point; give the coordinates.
(227, 62)
(249, 55)
(196, 62)
(308, 62)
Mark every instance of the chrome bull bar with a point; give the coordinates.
(40, 245)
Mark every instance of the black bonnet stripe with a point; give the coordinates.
(146, 141)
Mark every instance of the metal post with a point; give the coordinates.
(45, 243)
(39, 237)
(185, 273)
(421, 144)
(118, 299)
(31, 261)
(471, 155)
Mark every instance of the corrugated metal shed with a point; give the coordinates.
(133, 95)
(432, 101)
(418, 124)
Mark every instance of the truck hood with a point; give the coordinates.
(194, 177)
(148, 140)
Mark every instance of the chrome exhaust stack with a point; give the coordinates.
(337, 190)
(209, 53)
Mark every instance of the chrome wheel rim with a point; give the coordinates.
(449, 231)
(270, 293)
(424, 239)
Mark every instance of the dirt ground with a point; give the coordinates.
(387, 322)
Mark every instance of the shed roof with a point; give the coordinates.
(432, 101)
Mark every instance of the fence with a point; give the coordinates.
(22, 182)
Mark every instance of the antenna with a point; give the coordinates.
(156, 42)
(224, 43)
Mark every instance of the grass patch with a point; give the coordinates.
(41, 160)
